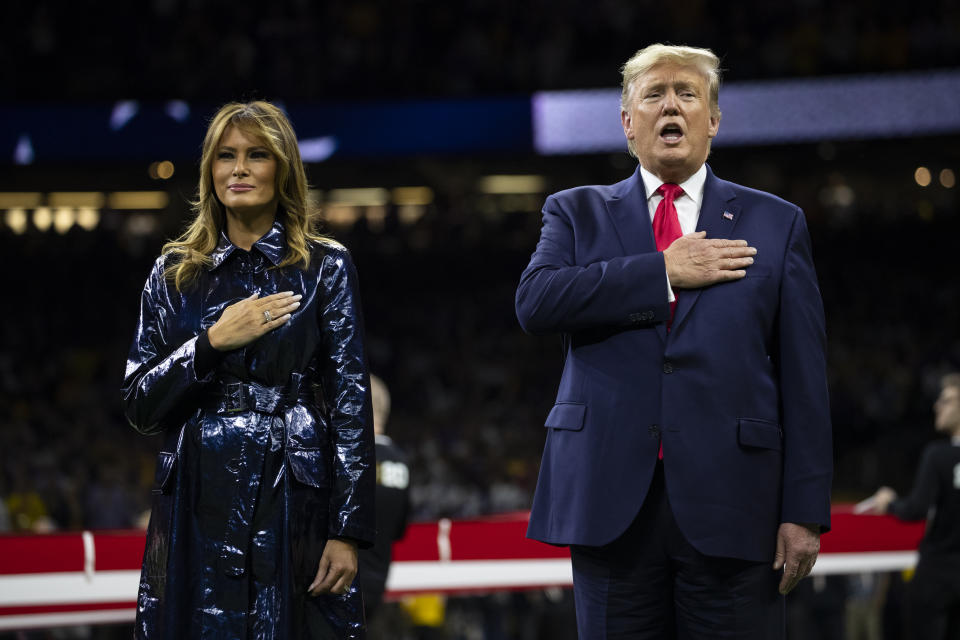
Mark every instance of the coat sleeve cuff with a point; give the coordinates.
(206, 358)
(363, 536)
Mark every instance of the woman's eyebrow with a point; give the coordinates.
(256, 147)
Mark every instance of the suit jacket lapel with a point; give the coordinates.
(718, 216)
(630, 216)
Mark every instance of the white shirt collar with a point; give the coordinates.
(692, 186)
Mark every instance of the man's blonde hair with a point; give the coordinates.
(704, 60)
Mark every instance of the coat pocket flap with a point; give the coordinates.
(760, 433)
(166, 461)
(567, 415)
(308, 466)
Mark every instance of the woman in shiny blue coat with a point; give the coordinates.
(249, 358)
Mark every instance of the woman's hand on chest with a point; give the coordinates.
(243, 322)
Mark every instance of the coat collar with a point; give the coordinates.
(273, 245)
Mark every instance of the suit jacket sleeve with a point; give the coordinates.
(916, 506)
(808, 449)
(559, 292)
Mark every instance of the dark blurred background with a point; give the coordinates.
(296, 49)
(439, 237)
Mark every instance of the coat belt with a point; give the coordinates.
(236, 396)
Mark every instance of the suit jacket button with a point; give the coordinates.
(654, 431)
(667, 367)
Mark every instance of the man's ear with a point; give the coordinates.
(627, 123)
(714, 126)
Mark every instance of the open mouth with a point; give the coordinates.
(671, 133)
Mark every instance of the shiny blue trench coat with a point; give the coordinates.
(267, 453)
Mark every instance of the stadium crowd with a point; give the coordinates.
(296, 49)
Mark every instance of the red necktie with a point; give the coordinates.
(666, 225)
(666, 229)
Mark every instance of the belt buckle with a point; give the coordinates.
(234, 400)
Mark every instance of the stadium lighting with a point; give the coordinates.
(42, 218)
(376, 218)
(412, 195)
(24, 199)
(123, 112)
(948, 178)
(342, 216)
(138, 200)
(16, 219)
(161, 170)
(88, 218)
(408, 214)
(63, 219)
(515, 184)
(75, 199)
(23, 153)
(371, 197)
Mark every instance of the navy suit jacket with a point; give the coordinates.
(736, 390)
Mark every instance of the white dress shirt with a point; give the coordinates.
(687, 203)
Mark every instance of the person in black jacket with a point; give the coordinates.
(933, 595)
(392, 503)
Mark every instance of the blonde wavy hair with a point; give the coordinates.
(268, 124)
(703, 60)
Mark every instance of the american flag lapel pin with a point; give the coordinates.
(727, 215)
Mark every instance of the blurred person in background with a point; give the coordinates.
(865, 600)
(691, 319)
(932, 598)
(107, 503)
(249, 358)
(25, 507)
(393, 505)
(427, 614)
(4, 515)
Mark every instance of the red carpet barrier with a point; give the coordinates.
(91, 577)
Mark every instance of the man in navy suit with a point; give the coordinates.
(688, 455)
